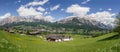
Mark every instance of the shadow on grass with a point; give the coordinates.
(111, 38)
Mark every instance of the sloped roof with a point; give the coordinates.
(55, 36)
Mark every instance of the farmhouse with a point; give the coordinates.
(34, 33)
(11, 31)
(20, 31)
(58, 38)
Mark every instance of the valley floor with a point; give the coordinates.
(24, 43)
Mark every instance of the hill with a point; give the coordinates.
(23, 43)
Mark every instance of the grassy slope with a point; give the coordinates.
(23, 43)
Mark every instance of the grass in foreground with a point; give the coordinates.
(23, 43)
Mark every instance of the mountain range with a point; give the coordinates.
(74, 21)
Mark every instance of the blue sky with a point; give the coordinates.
(11, 6)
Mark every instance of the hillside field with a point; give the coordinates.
(24, 43)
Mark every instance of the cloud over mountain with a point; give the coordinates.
(78, 10)
(104, 17)
(37, 12)
(45, 18)
(40, 9)
(5, 16)
(25, 11)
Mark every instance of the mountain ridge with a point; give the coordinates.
(81, 22)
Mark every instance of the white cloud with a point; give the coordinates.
(35, 3)
(49, 18)
(41, 9)
(77, 10)
(46, 13)
(104, 17)
(55, 7)
(5, 16)
(37, 12)
(109, 9)
(62, 9)
(19, 1)
(45, 18)
(39, 17)
(86, 1)
(25, 11)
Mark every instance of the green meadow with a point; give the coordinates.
(24, 43)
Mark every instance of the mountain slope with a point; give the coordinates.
(19, 19)
(71, 23)
(83, 22)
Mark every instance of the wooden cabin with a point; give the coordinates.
(58, 38)
(34, 33)
(11, 31)
(21, 31)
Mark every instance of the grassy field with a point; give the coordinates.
(23, 43)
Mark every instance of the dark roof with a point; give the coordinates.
(55, 36)
(67, 37)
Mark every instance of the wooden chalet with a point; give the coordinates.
(58, 38)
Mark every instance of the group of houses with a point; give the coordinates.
(49, 37)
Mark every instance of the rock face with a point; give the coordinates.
(18, 19)
(85, 21)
